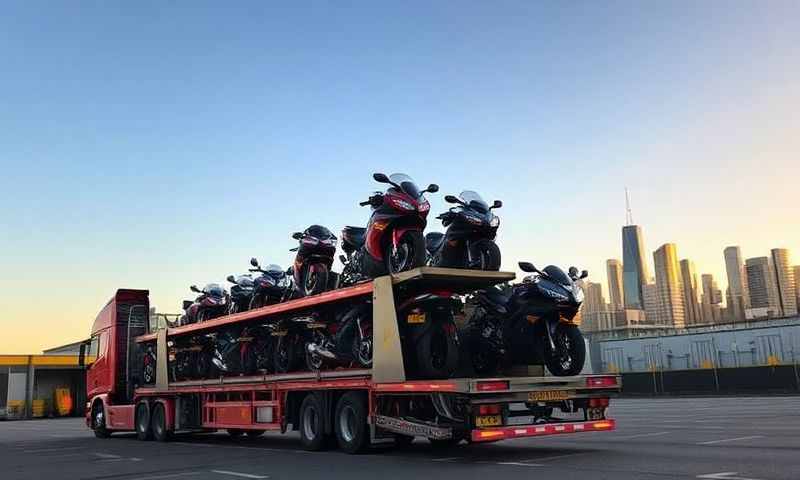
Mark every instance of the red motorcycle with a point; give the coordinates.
(393, 240)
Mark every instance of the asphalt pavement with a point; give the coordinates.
(733, 438)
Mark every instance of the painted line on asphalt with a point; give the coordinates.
(724, 476)
(238, 474)
(45, 450)
(641, 435)
(553, 457)
(169, 475)
(725, 440)
(519, 464)
(106, 455)
(447, 459)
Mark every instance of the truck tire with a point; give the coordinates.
(254, 433)
(312, 423)
(235, 432)
(158, 423)
(99, 420)
(142, 422)
(437, 351)
(352, 431)
(570, 356)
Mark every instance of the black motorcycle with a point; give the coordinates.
(241, 293)
(529, 322)
(271, 287)
(469, 240)
(189, 358)
(429, 335)
(347, 340)
(393, 240)
(312, 264)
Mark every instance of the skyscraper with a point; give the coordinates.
(737, 283)
(593, 311)
(668, 286)
(762, 287)
(784, 281)
(710, 299)
(796, 271)
(614, 271)
(650, 298)
(691, 297)
(634, 266)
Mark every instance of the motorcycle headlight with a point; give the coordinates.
(474, 220)
(403, 205)
(554, 293)
(424, 206)
(310, 241)
(330, 241)
(495, 222)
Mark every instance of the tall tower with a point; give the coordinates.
(762, 286)
(614, 271)
(710, 299)
(739, 299)
(785, 281)
(691, 298)
(634, 265)
(668, 285)
(796, 271)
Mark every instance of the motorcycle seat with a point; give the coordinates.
(433, 241)
(354, 236)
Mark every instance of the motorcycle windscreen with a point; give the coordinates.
(407, 184)
(557, 275)
(472, 199)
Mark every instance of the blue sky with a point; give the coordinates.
(156, 144)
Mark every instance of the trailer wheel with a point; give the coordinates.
(158, 423)
(254, 433)
(352, 431)
(99, 421)
(235, 432)
(143, 430)
(312, 424)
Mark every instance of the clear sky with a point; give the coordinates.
(159, 144)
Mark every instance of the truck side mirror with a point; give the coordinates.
(254, 262)
(82, 355)
(297, 235)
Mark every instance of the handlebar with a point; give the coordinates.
(364, 204)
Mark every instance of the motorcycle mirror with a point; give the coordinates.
(230, 279)
(254, 262)
(195, 289)
(527, 267)
(297, 235)
(380, 178)
(342, 259)
(584, 274)
(497, 204)
(187, 304)
(451, 199)
(573, 272)
(290, 271)
(432, 188)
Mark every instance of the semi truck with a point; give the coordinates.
(351, 408)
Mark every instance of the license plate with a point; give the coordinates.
(488, 421)
(549, 396)
(415, 318)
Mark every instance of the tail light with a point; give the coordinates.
(605, 381)
(489, 409)
(492, 386)
(598, 402)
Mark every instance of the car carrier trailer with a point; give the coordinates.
(351, 407)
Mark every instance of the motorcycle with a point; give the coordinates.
(393, 240)
(269, 288)
(211, 303)
(149, 365)
(469, 239)
(343, 342)
(528, 322)
(288, 338)
(312, 264)
(241, 293)
(189, 358)
(429, 335)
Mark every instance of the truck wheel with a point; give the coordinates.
(352, 431)
(99, 421)
(143, 431)
(437, 351)
(312, 425)
(158, 423)
(235, 432)
(254, 433)
(570, 353)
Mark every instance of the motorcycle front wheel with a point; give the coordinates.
(486, 254)
(315, 279)
(410, 253)
(437, 351)
(285, 354)
(570, 353)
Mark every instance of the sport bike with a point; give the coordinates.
(211, 302)
(529, 322)
(241, 293)
(469, 239)
(312, 264)
(393, 240)
(345, 341)
(272, 286)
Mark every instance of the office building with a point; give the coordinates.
(634, 266)
(764, 300)
(738, 300)
(710, 299)
(614, 272)
(691, 296)
(651, 310)
(784, 282)
(796, 271)
(671, 310)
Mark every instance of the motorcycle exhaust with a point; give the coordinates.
(315, 349)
